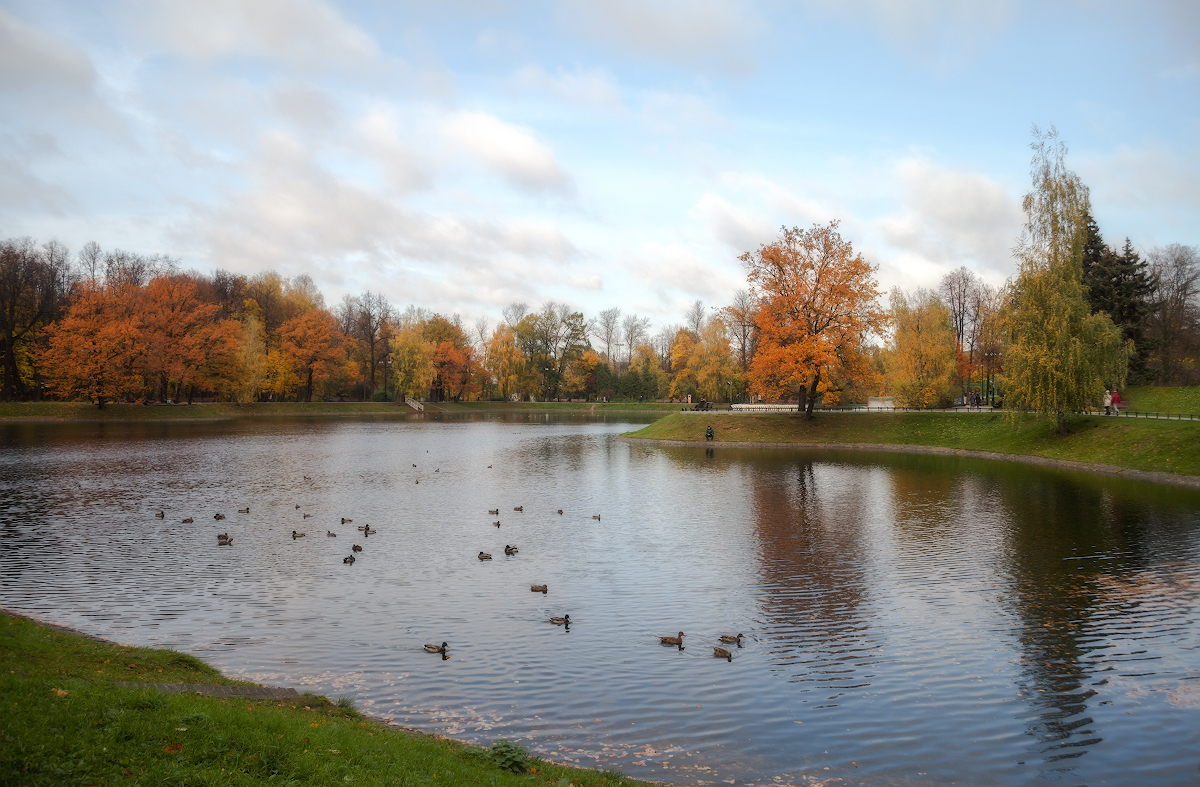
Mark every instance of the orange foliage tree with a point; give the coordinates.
(177, 331)
(313, 343)
(818, 301)
(94, 350)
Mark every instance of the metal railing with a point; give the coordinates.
(792, 408)
(413, 403)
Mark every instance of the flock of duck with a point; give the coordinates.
(224, 540)
(565, 620)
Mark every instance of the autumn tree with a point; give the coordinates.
(1059, 357)
(93, 351)
(177, 332)
(412, 362)
(504, 361)
(1173, 325)
(312, 343)
(739, 320)
(923, 349)
(817, 302)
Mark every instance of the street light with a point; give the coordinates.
(545, 383)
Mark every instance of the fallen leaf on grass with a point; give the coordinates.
(60, 692)
(173, 748)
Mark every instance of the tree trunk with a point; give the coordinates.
(802, 394)
(1062, 423)
(308, 391)
(99, 402)
(812, 395)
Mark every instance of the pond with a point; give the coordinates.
(907, 619)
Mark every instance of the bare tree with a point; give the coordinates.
(481, 333)
(1174, 322)
(956, 291)
(90, 259)
(663, 341)
(739, 318)
(374, 317)
(346, 314)
(607, 328)
(515, 312)
(696, 317)
(635, 330)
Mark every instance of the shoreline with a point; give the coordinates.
(1155, 476)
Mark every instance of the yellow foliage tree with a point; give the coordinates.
(1058, 357)
(412, 363)
(922, 358)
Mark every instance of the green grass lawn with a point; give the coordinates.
(1168, 446)
(1167, 399)
(65, 723)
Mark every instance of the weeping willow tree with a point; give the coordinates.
(1058, 356)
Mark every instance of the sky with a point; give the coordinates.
(466, 154)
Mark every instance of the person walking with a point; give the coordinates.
(1107, 402)
(1116, 402)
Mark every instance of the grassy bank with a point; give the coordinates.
(1167, 446)
(1168, 399)
(65, 723)
(587, 407)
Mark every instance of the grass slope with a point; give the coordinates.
(64, 724)
(1168, 446)
(1168, 399)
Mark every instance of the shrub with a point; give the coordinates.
(510, 756)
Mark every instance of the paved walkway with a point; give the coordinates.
(256, 692)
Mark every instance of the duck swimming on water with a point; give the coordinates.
(673, 640)
(436, 648)
(565, 620)
(730, 638)
(721, 653)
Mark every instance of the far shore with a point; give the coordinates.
(1151, 450)
(209, 411)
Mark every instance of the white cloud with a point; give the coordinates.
(307, 34)
(670, 268)
(595, 87)
(952, 217)
(737, 228)
(307, 106)
(940, 34)
(718, 33)
(510, 151)
(400, 164)
(1142, 177)
(32, 59)
(300, 217)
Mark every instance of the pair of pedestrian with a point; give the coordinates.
(1112, 402)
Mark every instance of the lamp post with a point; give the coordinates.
(545, 383)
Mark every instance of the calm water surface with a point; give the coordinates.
(908, 620)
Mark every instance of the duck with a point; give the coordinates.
(297, 506)
(361, 527)
(159, 515)
(560, 510)
(218, 516)
(543, 589)
(369, 532)
(489, 467)
(345, 520)
(437, 648)
(673, 640)
(519, 508)
(437, 470)
(721, 653)
(224, 542)
(296, 535)
(730, 638)
(245, 510)
(510, 550)
(306, 478)
(496, 523)
(355, 548)
(306, 516)
(222, 536)
(484, 556)
(348, 559)
(494, 511)
(331, 534)
(414, 465)
(595, 516)
(188, 521)
(565, 620)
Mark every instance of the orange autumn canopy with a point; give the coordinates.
(817, 303)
